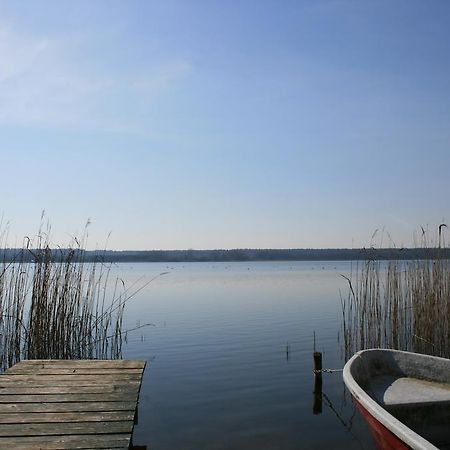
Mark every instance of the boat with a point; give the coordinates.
(404, 397)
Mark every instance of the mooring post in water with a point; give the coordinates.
(317, 405)
(317, 359)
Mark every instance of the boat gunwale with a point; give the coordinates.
(404, 433)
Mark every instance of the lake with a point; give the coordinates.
(230, 356)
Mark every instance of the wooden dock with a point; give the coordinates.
(69, 404)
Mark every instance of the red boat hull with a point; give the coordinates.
(384, 438)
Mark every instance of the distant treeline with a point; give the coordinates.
(75, 255)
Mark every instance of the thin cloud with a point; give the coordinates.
(18, 54)
(163, 78)
(45, 81)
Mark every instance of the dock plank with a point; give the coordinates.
(80, 381)
(66, 404)
(76, 363)
(55, 429)
(58, 398)
(32, 370)
(11, 408)
(70, 377)
(66, 442)
(63, 417)
(74, 389)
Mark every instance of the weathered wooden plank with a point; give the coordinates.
(70, 371)
(111, 441)
(81, 363)
(58, 398)
(66, 407)
(7, 381)
(55, 429)
(61, 417)
(71, 389)
(55, 378)
(68, 381)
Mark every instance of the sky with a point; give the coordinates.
(206, 124)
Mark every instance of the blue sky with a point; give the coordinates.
(213, 124)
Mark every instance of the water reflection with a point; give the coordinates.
(320, 398)
(232, 356)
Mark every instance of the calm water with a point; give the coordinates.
(219, 375)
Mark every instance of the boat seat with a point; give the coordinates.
(389, 390)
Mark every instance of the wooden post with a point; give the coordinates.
(317, 356)
(317, 405)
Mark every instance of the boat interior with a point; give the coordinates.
(413, 388)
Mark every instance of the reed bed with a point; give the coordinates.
(58, 306)
(402, 305)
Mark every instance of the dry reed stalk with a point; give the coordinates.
(56, 306)
(398, 304)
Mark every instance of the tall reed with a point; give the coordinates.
(402, 305)
(58, 306)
